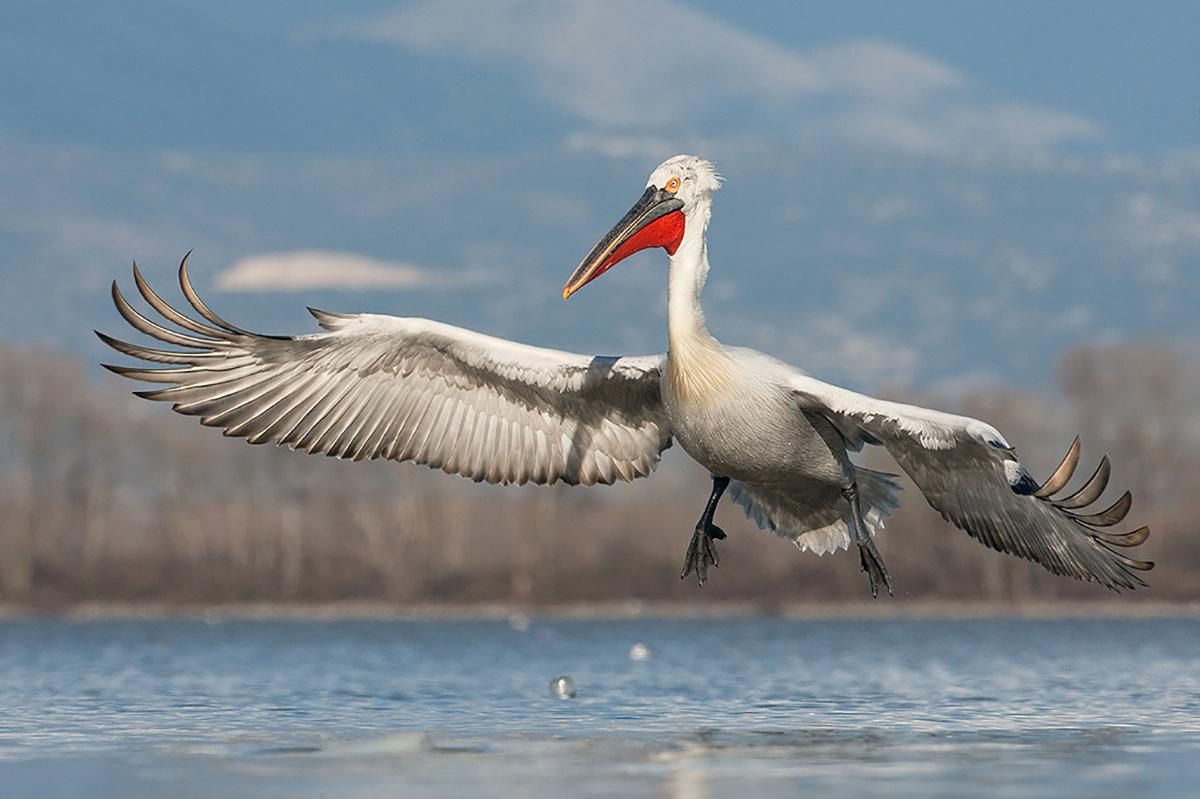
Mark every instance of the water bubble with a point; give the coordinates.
(562, 687)
(639, 651)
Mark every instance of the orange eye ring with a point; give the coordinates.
(672, 185)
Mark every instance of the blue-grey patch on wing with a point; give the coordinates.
(1026, 485)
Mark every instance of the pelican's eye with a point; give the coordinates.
(672, 185)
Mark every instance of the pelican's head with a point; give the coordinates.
(677, 195)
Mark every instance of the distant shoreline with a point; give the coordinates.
(634, 609)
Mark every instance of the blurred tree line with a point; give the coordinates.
(103, 497)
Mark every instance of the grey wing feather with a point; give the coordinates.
(373, 386)
(971, 475)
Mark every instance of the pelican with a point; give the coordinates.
(406, 389)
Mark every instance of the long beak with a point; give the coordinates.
(655, 220)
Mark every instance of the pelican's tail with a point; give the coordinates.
(817, 519)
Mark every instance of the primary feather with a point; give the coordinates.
(375, 386)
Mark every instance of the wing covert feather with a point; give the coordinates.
(374, 386)
(970, 474)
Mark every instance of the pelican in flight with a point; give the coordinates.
(375, 386)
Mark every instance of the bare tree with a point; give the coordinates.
(104, 498)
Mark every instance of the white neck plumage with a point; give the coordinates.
(697, 364)
(685, 281)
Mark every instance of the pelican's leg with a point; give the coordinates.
(872, 564)
(701, 551)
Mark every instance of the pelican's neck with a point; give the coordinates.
(685, 281)
(698, 369)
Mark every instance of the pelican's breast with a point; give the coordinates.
(704, 400)
(735, 423)
(699, 376)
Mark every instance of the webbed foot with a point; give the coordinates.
(872, 564)
(701, 552)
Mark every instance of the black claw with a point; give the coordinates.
(868, 555)
(689, 559)
(700, 553)
(872, 564)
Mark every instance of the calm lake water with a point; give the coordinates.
(748, 707)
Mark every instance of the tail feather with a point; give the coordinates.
(817, 521)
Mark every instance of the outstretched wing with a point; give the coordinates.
(375, 386)
(972, 476)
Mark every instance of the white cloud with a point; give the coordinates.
(884, 71)
(607, 62)
(970, 131)
(1073, 320)
(1151, 222)
(969, 196)
(1173, 166)
(1022, 271)
(621, 145)
(642, 68)
(303, 270)
(87, 245)
(230, 170)
(885, 208)
(835, 347)
(643, 62)
(1160, 233)
(963, 385)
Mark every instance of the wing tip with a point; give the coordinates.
(1061, 475)
(330, 320)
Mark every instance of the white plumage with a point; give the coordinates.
(374, 386)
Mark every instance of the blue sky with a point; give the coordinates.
(916, 192)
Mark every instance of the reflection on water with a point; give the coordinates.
(750, 707)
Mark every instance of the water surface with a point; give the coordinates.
(748, 707)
